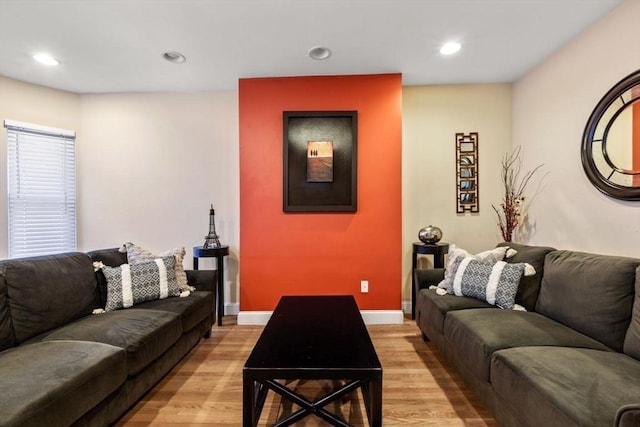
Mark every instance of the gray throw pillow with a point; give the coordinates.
(496, 283)
(128, 285)
(137, 254)
(491, 256)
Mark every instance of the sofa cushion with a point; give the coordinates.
(131, 284)
(476, 334)
(192, 309)
(54, 383)
(111, 258)
(203, 280)
(529, 285)
(560, 386)
(632, 337)
(590, 293)
(48, 291)
(435, 307)
(144, 334)
(496, 283)
(6, 330)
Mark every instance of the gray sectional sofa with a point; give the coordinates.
(61, 365)
(571, 359)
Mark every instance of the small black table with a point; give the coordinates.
(438, 250)
(218, 254)
(313, 337)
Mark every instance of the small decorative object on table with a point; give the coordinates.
(430, 234)
(212, 240)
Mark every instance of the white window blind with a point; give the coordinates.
(41, 177)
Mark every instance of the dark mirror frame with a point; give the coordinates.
(601, 182)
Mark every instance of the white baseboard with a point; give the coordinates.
(254, 317)
(406, 307)
(231, 308)
(370, 317)
(382, 317)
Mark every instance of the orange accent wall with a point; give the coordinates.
(321, 253)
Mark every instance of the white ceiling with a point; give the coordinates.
(117, 45)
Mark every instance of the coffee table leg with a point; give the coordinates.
(248, 401)
(375, 394)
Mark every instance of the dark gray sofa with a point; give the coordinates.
(572, 359)
(61, 365)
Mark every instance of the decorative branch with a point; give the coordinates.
(513, 199)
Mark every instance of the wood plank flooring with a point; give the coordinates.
(420, 388)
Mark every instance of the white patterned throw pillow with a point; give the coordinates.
(491, 256)
(137, 254)
(496, 283)
(131, 284)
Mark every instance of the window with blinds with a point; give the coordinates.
(41, 178)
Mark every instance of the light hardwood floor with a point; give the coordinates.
(420, 388)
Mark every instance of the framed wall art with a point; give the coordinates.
(320, 161)
(467, 173)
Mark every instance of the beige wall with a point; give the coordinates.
(149, 167)
(551, 106)
(39, 105)
(431, 116)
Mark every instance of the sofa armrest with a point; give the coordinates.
(202, 280)
(428, 277)
(628, 416)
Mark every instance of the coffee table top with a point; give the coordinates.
(309, 333)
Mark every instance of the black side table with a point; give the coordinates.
(218, 254)
(438, 250)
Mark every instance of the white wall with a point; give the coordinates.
(34, 104)
(150, 165)
(431, 116)
(551, 106)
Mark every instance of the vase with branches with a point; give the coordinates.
(515, 184)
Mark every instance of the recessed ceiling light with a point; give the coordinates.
(46, 59)
(319, 53)
(175, 57)
(450, 48)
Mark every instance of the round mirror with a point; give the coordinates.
(611, 141)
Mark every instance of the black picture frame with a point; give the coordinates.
(337, 191)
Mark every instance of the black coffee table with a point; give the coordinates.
(313, 337)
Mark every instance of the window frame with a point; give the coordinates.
(41, 191)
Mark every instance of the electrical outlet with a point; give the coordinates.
(364, 286)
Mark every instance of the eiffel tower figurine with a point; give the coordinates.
(212, 240)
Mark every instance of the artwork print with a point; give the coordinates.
(320, 161)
